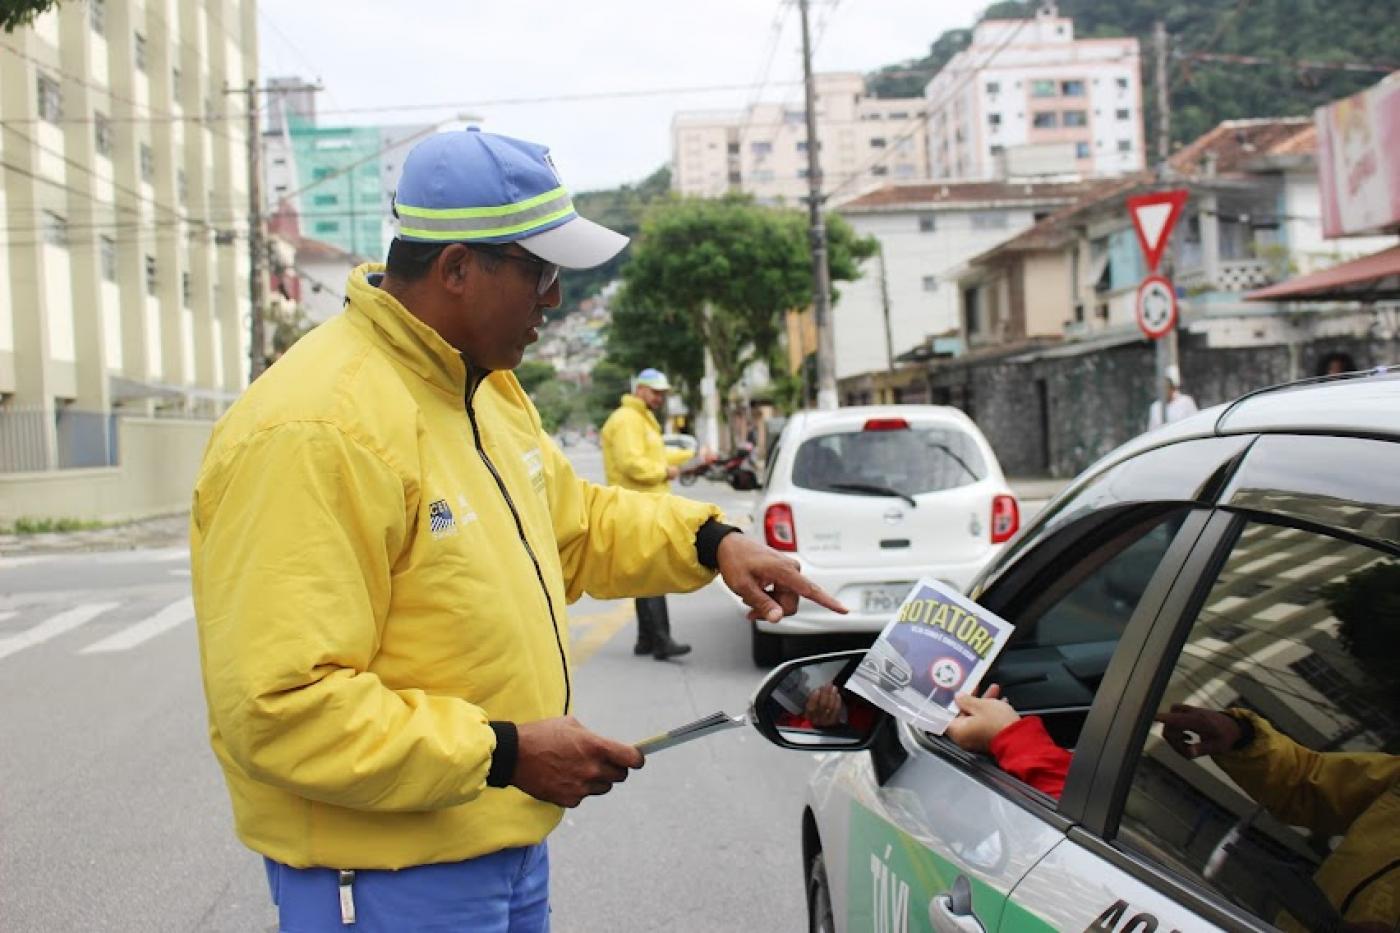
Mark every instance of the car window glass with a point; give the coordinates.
(774, 452)
(1275, 778)
(909, 461)
(1066, 637)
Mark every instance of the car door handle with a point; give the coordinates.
(952, 912)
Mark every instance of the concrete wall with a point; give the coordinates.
(159, 461)
(1056, 415)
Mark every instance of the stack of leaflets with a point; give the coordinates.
(939, 644)
(709, 725)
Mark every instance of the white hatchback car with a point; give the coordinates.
(871, 498)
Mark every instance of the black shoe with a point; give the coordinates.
(669, 649)
(641, 648)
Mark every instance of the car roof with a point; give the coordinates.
(1354, 404)
(812, 419)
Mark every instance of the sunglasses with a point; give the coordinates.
(549, 272)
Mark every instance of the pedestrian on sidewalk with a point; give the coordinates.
(383, 541)
(635, 457)
(1179, 404)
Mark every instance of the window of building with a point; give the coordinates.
(905, 170)
(1122, 84)
(107, 258)
(930, 283)
(102, 134)
(186, 289)
(1123, 114)
(1081, 150)
(794, 116)
(761, 147)
(1125, 145)
(990, 220)
(802, 173)
(175, 83)
(55, 230)
(763, 176)
(1075, 118)
(182, 186)
(877, 142)
(139, 51)
(320, 172)
(1045, 119)
(732, 148)
(802, 145)
(1072, 88)
(735, 178)
(994, 120)
(97, 16)
(1287, 682)
(325, 200)
(1046, 88)
(879, 170)
(927, 223)
(151, 281)
(327, 226)
(148, 163)
(993, 87)
(899, 115)
(50, 99)
(997, 150)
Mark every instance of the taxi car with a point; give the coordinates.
(1245, 560)
(868, 499)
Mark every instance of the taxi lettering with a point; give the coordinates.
(1111, 921)
(889, 895)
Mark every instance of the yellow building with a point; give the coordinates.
(124, 196)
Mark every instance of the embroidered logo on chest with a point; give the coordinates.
(534, 467)
(440, 520)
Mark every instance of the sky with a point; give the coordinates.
(468, 57)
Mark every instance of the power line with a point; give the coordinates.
(1302, 64)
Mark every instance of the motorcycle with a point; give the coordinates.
(738, 469)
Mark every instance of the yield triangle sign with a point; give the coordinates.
(1154, 215)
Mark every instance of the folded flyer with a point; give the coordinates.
(938, 644)
(709, 725)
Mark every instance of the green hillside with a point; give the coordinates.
(1203, 94)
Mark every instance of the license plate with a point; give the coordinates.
(884, 598)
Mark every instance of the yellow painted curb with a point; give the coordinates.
(590, 632)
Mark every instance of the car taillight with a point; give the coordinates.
(1006, 518)
(886, 424)
(778, 528)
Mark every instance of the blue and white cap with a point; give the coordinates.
(653, 379)
(474, 187)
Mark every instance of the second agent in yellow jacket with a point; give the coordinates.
(635, 457)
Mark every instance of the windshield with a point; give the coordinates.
(890, 463)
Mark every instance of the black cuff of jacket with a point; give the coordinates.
(707, 541)
(503, 758)
(1247, 733)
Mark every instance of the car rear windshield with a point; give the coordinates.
(904, 461)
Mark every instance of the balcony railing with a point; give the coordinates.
(1232, 275)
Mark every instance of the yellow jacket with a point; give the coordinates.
(1355, 795)
(380, 570)
(634, 456)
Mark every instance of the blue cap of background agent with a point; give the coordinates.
(475, 187)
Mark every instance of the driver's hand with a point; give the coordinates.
(980, 720)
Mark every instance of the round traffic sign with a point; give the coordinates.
(1156, 306)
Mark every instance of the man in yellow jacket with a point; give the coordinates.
(383, 540)
(634, 457)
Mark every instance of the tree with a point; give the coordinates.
(620, 209)
(17, 13)
(533, 374)
(725, 271)
(610, 382)
(666, 339)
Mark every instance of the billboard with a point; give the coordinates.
(1358, 161)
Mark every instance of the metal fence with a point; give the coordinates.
(63, 438)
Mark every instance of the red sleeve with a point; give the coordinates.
(1025, 751)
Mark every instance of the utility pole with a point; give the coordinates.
(821, 273)
(885, 304)
(257, 232)
(1167, 345)
(257, 223)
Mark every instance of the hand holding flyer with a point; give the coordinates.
(938, 644)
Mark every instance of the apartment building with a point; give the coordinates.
(1027, 98)
(762, 150)
(124, 260)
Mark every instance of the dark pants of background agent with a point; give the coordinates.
(654, 630)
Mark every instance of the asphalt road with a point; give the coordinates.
(113, 814)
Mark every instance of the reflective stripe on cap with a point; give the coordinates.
(479, 223)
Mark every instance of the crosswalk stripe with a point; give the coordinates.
(177, 613)
(53, 627)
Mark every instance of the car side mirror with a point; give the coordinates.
(804, 704)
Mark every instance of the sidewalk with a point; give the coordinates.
(1035, 488)
(165, 531)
